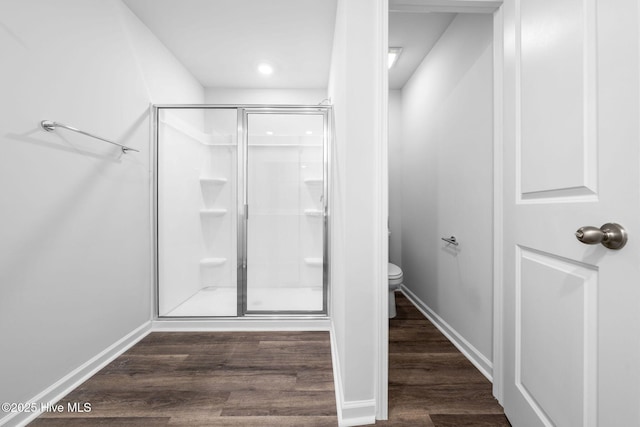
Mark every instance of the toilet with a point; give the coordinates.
(395, 280)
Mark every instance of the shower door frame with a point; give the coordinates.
(244, 113)
(243, 110)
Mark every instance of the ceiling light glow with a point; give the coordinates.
(394, 53)
(265, 69)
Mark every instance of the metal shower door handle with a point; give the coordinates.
(612, 236)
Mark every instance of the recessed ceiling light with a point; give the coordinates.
(394, 53)
(265, 69)
(309, 132)
(269, 132)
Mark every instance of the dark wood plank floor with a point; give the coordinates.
(278, 379)
(211, 379)
(430, 382)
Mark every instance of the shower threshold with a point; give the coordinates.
(222, 301)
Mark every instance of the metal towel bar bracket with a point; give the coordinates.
(50, 126)
(451, 240)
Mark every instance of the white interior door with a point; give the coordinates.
(572, 311)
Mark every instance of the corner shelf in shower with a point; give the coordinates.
(212, 212)
(313, 181)
(313, 261)
(313, 212)
(212, 262)
(218, 181)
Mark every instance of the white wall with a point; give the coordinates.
(358, 231)
(75, 258)
(447, 185)
(265, 96)
(165, 78)
(395, 176)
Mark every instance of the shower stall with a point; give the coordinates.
(241, 210)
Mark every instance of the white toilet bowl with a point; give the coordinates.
(395, 280)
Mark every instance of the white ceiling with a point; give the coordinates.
(221, 42)
(416, 34)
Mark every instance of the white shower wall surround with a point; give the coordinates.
(196, 204)
(214, 259)
(285, 226)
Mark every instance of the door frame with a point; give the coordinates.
(494, 7)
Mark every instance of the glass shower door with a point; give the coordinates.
(197, 219)
(285, 221)
(240, 194)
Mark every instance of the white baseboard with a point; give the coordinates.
(244, 325)
(357, 413)
(483, 364)
(350, 413)
(76, 377)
